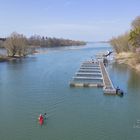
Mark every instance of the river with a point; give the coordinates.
(40, 83)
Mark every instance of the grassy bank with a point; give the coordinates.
(129, 58)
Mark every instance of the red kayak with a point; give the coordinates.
(41, 119)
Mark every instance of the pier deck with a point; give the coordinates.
(108, 86)
(93, 75)
(89, 75)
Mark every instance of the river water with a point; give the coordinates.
(40, 83)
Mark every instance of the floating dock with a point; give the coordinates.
(89, 75)
(108, 86)
(93, 74)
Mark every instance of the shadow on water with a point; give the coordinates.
(134, 81)
(26, 59)
(19, 63)
(117, 73)
(132, 77)
(124, 77)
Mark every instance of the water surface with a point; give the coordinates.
(40, 83)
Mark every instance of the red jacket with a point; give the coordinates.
(41, 117)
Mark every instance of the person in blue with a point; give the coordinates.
(117, 90)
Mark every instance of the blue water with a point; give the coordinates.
(40, 83)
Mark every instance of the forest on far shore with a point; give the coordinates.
(19, 45)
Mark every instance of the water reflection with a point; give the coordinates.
(134, 80)
(124, 77)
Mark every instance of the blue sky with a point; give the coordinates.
(89, 20)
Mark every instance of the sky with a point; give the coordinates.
(88, 20)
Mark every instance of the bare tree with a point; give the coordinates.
(16, 44)
(129, 41)
(121, 43)
(136, 23)
(135, 33)
(135, 38)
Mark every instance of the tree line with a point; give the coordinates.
(129, 41)
(19, 45)
(42, 41)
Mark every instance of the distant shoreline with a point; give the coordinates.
(98, 42)
(5, 58)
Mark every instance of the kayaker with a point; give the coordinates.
(117, 90)
(41, 119)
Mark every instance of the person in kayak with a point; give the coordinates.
(41, 119)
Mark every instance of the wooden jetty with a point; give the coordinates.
(93, 74)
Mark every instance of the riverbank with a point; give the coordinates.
(4, 58)
(129, 58)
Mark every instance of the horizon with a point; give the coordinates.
(91, 20)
